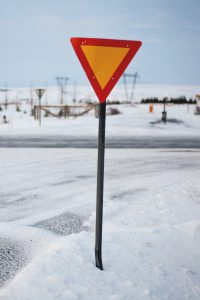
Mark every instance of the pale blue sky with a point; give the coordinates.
(35, 47)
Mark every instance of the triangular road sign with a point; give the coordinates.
(104, 61)
(39, 92)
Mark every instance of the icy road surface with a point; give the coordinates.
(151, 234)
(136, 142)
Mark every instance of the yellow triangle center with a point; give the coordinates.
(104, 61)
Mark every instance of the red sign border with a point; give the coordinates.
(77, 42)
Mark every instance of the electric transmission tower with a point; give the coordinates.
(31, 95)
(74, 95)
(5, 90)
(129, 97)
(62, 84)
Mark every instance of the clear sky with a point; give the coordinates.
(35, 47)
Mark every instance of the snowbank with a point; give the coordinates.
(151, 233)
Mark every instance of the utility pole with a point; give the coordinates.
(74, 96)
(46, 93)
(31, 96)
(134, 79)
(6, 96)
(62, 83)
(5, 90)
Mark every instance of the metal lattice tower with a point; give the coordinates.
(134, 79)
(62, 84)
(31, 95)
(5, 90)
(74, 96)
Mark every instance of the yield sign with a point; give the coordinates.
(104, 61)
(39, 92)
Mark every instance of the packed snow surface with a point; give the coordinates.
(133, 119)
(151, 230)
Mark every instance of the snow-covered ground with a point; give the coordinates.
(132, 120)
(85, 92)
(151, 232)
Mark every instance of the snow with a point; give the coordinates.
(85, 92)
(133, 120)
(151, 228)
(151, 231)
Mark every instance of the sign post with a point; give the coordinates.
(40, 93)
(100, 184)
(104, 61)
(164, 112)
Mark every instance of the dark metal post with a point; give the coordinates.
(164, 113)
(40, 96)
(100, 182)
(164, 105)
(6, 96)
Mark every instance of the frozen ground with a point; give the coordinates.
(151, 234)
(133, 120)
(85, 92)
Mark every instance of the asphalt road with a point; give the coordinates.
(91, 142)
